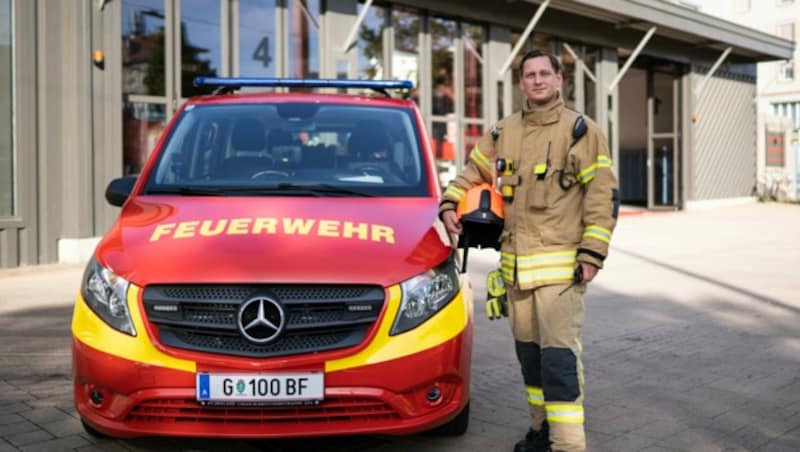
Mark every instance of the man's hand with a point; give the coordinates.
(451, 222)
(589, 271)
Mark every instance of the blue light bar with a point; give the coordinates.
(240, 82)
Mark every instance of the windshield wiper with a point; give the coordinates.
(323, 189)
(280, 189)
(187, 190)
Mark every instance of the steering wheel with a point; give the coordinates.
(371, 170)
(269, 174)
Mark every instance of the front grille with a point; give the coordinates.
(318, 317)
(333, 409)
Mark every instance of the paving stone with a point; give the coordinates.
(57, 445)
(750, 437)
(63, 427)
(43, 415)
(628, 441)
(105, 447)
(10, 419)
(22, 439)
(661, 428)
(7, 447)
(700, 440)
(595, 440)
(14, 407)
(17, 427)
(785, 444)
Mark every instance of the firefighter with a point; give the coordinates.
(560, 204)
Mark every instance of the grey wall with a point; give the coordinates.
(6, 148)
(18, 234)
(723, 158)
(68, 121)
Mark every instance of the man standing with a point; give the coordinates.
(561, 203)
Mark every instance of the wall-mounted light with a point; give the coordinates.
(99, 58)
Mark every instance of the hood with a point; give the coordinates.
(181, 239)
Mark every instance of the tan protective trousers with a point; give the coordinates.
(547, 332)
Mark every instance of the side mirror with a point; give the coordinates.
(119, 189)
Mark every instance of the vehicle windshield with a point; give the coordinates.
(295, 149)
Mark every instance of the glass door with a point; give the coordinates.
(145, 90)
(198, 45)
(444, 125)
(663, 139)
(254, 38)
(165, 44)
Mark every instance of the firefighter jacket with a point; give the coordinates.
(565, 196)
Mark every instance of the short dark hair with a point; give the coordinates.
(536, 54)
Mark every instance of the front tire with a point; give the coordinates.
(457, 426)
(93, 432)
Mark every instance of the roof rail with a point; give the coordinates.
(229, 84)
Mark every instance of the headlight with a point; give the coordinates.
(424, 295)
(106, 294)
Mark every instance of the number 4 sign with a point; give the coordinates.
(262, 52)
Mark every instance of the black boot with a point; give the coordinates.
(535, 441)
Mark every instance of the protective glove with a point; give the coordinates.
(496, 301)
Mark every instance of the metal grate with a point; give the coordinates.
(335, 409)
(237, 345)
(318, 317)
(288, 292)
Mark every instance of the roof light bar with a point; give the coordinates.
(240, 82)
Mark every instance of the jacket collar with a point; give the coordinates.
(547, 114)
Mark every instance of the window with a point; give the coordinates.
(304, 38)
(201, 49)
(775, 149)
(788, 110)
(741, 6)
(143, 48)
(257, 38)
(370, 43)
(443, 136)
(786, 30)
(472, 37)
(590, 58)
(405, 56)
(6, 111)
(144, 81)
(568, 74)
(786, 71)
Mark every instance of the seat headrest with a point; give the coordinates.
(248, 135)
(280, 137)
(369, 140)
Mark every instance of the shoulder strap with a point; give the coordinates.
(579, 129)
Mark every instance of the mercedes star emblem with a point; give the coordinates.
(261, 319)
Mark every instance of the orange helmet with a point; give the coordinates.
(481, 215)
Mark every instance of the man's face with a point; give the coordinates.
(539, 82)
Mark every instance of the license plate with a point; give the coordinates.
(261, 388)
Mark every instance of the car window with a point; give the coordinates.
(371, 150)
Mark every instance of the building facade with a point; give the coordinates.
(87, 86)
(778, 93)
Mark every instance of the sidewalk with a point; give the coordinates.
(692, 343)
